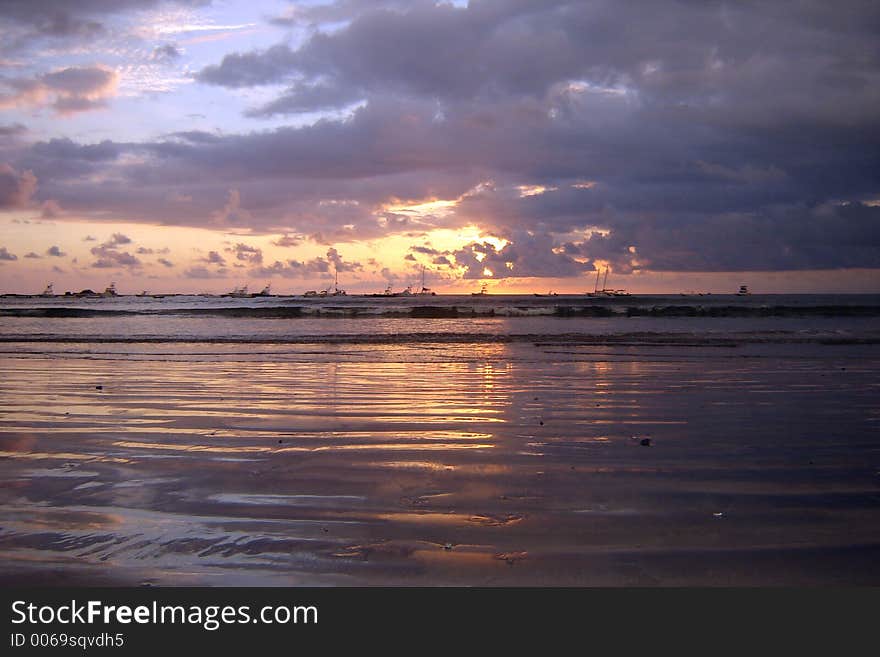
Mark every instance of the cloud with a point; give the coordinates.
(662, 135)
(525, 255)
(16, 189)
(68, 91)
(30, 21)
(50, 209)
(294, 268)
(250, 69)
(246, 253)
(33, 255)
(13, 130)
(6, 255)
(165, 262)
(166, 53)
(288, 240)
(338, 263)
(232, 212)
(110, 257)
(55, 252)
(214, 258)
(204, 273)
(117, 239)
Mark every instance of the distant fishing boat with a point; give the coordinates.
(49, 291)
(110, 291)
(743, 291)
(386, 293)
(239, 292)
(265, 292)
(484, 291)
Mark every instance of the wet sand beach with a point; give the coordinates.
(428, 463)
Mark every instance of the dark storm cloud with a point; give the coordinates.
(6, 255)
(55, 251)
(669, 135)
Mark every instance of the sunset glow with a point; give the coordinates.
(192, 129)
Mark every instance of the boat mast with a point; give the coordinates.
(596, 286)
(605, 281)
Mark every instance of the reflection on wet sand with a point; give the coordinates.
(490, 464)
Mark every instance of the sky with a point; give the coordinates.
(201, 145)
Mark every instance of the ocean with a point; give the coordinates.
(475, 440)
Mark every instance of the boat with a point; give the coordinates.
(596, 291)
(425, 292)
(49, 291)
(264, 292)
(110, 291)
(335, 292)
(484, 291)
(743, 291)
(239, 292)
(605, 292)
(310, 293)
(386, 293)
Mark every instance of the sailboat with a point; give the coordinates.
(336, 292)
(605, 292)
(425, 292)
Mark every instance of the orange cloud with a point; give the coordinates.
(67, 91)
